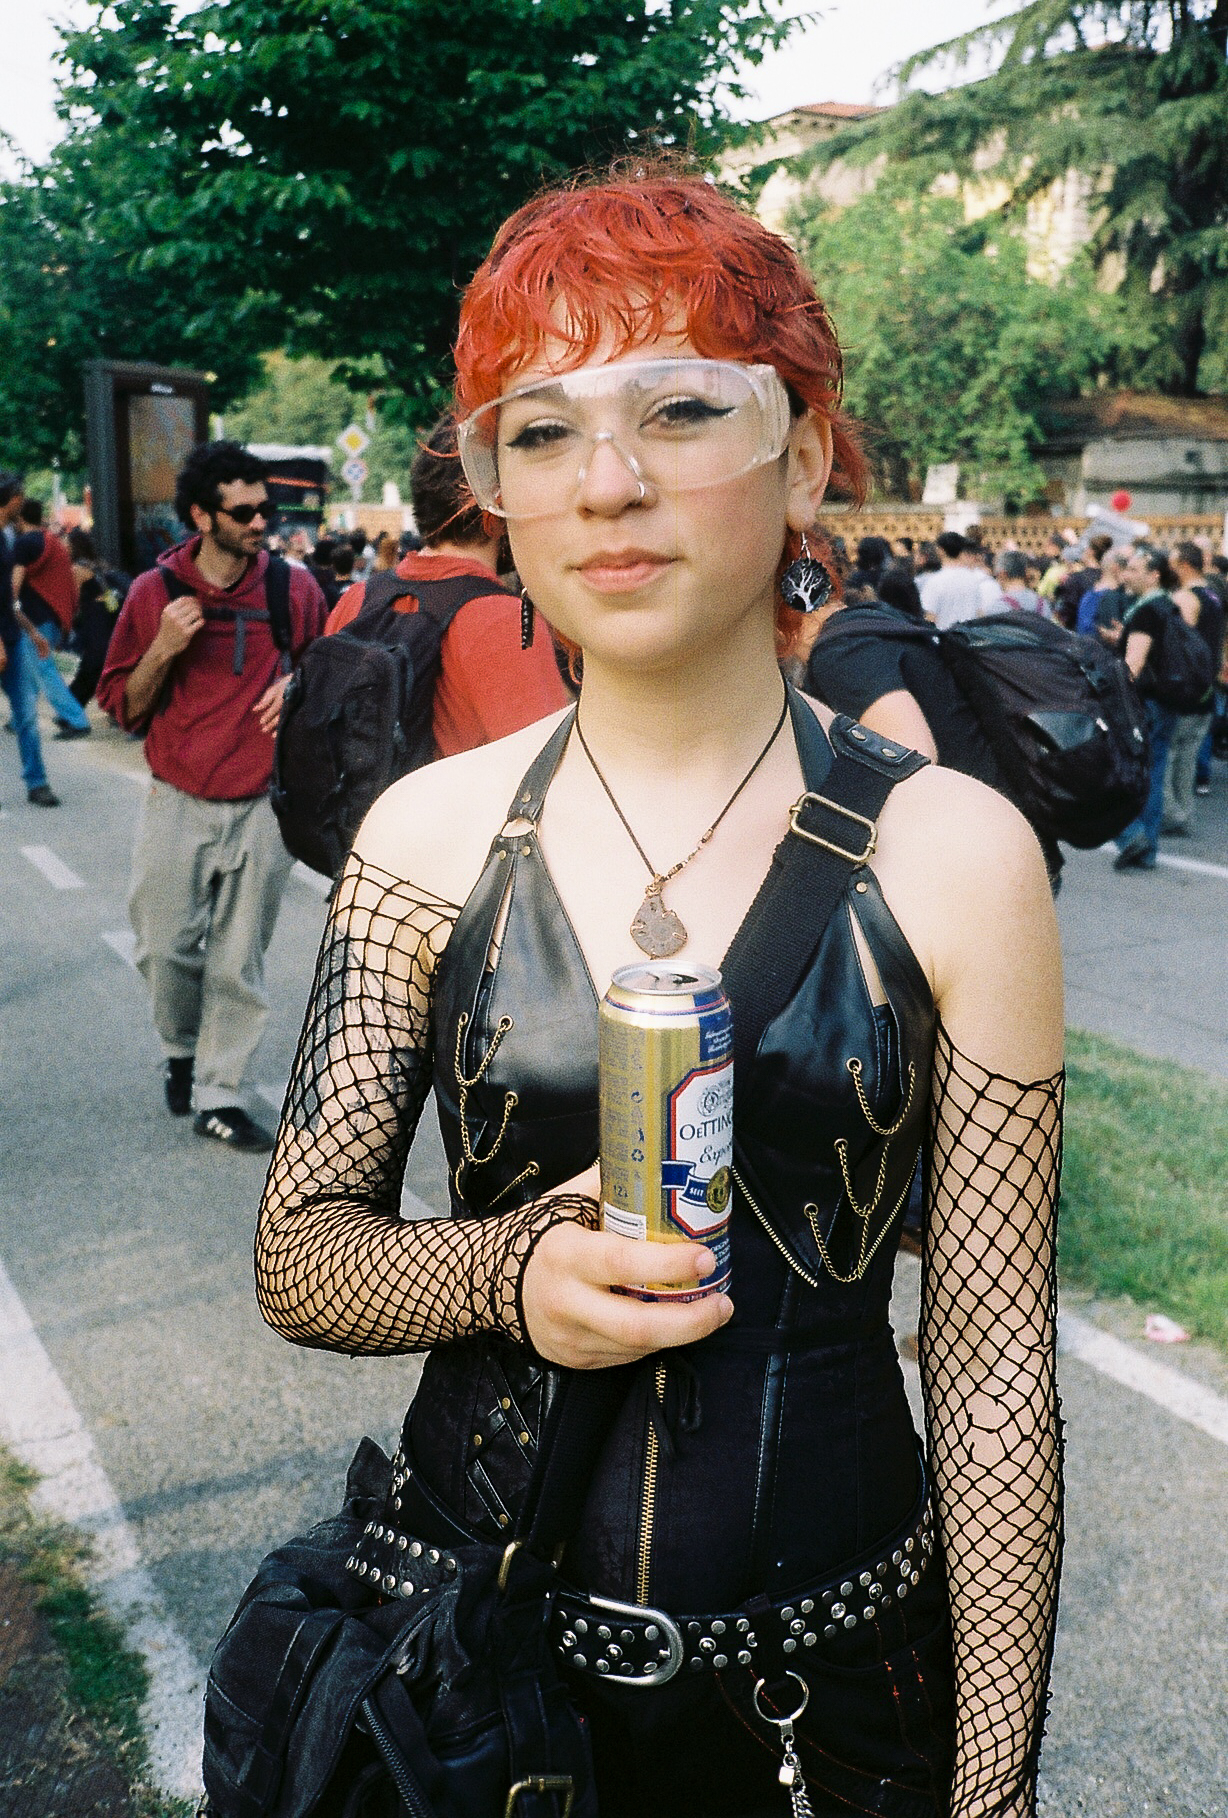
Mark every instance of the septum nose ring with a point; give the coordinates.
(628, 461)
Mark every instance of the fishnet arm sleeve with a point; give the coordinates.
(336, 1267)
(987, 1346)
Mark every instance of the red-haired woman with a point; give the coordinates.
(649, 390)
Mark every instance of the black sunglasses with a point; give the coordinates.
(244, 514)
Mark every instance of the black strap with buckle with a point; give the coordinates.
(833, 830)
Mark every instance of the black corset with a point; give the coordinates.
(783, 1444)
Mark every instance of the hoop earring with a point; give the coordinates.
(527, 614)
(805, 584)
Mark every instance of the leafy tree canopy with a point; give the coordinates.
(70, 292)
(1134, 95)
(949, 346)
(324, 176)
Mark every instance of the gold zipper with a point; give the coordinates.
(811, 1280)
(648, 1502)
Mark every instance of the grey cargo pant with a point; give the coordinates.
(207, 881)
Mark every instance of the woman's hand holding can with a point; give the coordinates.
(575, 1294)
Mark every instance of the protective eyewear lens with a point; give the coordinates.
(247, 514)
(676, 425)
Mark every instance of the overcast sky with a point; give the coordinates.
(838, 58)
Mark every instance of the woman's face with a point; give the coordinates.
(644, 576)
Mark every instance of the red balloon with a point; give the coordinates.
(1121, 501)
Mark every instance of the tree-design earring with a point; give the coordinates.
(805, 584)
(527, 612)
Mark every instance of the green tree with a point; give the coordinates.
(950, 347)
(66, 299)
(1134, 95)
(325, 175)
(305, 400)
(69, 292)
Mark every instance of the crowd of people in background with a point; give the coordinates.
(57, 596)
(1094, 586)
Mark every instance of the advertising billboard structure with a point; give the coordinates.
(298, 483)
(140, 422)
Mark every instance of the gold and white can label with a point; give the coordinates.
(665, 1062)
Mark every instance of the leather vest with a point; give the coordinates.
(783, 1444)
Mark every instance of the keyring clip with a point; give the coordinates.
(790, 1775)
(782, 1722)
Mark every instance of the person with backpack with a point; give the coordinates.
(889, 673)
(44, 583)
(101, 591)
(1171, 666)
(199, 663)
(1103, 607)
(1202, 608)
(487, 684)
(422, 662)
(18, 672)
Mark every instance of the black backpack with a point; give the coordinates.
(1180, 667)
(357, 713)
(1060, 713)
(275, 613)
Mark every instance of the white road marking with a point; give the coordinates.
(53, 869)
(1203, 867)
(41, 1425)
(1170, 1389)
(312, 879)
(122, 941)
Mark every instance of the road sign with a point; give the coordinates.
(354, 473)
(353, 440)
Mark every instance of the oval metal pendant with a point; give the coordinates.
(656, 930)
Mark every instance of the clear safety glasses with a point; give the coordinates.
(676, 426)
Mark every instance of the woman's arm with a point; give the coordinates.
(987, 1338)
(1138, 649)
(338, 1269)
(898, 716)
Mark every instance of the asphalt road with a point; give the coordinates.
(129, 1240)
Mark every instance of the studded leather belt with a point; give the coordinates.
(640, 1646)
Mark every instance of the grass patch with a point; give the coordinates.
(101, 1683)
(1145, 1184)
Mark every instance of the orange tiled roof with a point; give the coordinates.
(1133, 415)
(839, 110)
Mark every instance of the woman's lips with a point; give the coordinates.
(623, 571)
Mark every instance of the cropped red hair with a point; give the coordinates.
(632, 255)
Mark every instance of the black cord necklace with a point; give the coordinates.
(656, 930)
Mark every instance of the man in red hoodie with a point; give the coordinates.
(194, 663)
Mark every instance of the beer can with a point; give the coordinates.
(665, 1061)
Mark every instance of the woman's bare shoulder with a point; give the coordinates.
(434, 826)
(963, 873)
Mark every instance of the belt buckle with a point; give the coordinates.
(669, 1628)
(871, 827)
(542, 1783)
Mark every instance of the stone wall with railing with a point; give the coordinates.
(1026, 533)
